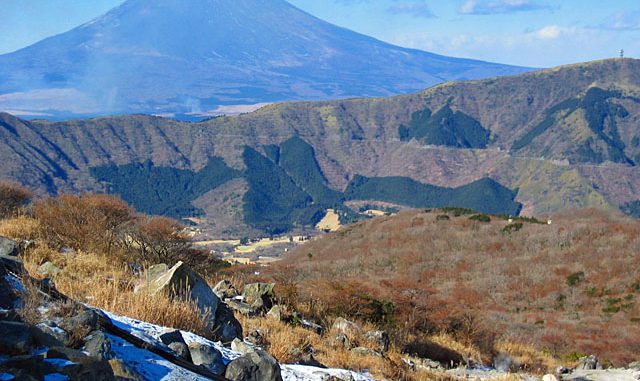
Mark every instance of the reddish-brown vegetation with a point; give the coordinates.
(567, 288)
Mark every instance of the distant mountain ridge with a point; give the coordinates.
(549, 140)
(189, 58)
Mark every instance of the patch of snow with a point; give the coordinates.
(55, 377)
(310, 373)
(59, 363)
(154, 367)
(151, 334)
(149, 365)
(6, 377)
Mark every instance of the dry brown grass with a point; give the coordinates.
(19, 228)
(528, 357)
(287, 343)
(106, 283)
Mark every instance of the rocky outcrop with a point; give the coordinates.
(259, 296)
(225, 290)
(181, 282)
(589, 363)
(257, 365)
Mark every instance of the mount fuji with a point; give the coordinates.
(199, 58)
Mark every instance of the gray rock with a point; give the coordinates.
(634, 365)
(181, 350)
(362, 351)
(428, 364)
(49, 270)
(9, 295)
(225, 290)
(226, 326)
(589, 363)
(175, 342)
(423, 364)
(256, 337)
(563, 370)
(83, 368)
(380, 339)
(9, 247)
(15, 338)
(349, 328)
(242, 307)
(208, 357)
(87, 320)
(259, 295)
(241, 347)
(317, 328)
(155, 271)
(12, 264)
(181, 282)
(254, 366)
(341, 340)
(171, 337)
(308, 360)
(98, 346)
(278, 313)
(50, 328)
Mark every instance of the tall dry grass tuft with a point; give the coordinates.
(19, 228)
(106, 284)
(527, 357)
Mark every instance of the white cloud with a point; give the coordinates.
(550, 32)
(492, 7)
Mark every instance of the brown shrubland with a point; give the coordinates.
(544, 294)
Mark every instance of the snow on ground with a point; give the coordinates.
(310, 373)
(153, 367)
(604, 375)
(149, 365)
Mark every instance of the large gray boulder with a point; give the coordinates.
(181, 282)
(254, 366)
(259, 295)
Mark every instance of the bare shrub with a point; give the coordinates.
(90, 223)
(13, 198)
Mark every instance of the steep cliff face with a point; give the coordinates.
(562, 138)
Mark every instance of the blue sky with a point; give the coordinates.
(537, 33)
